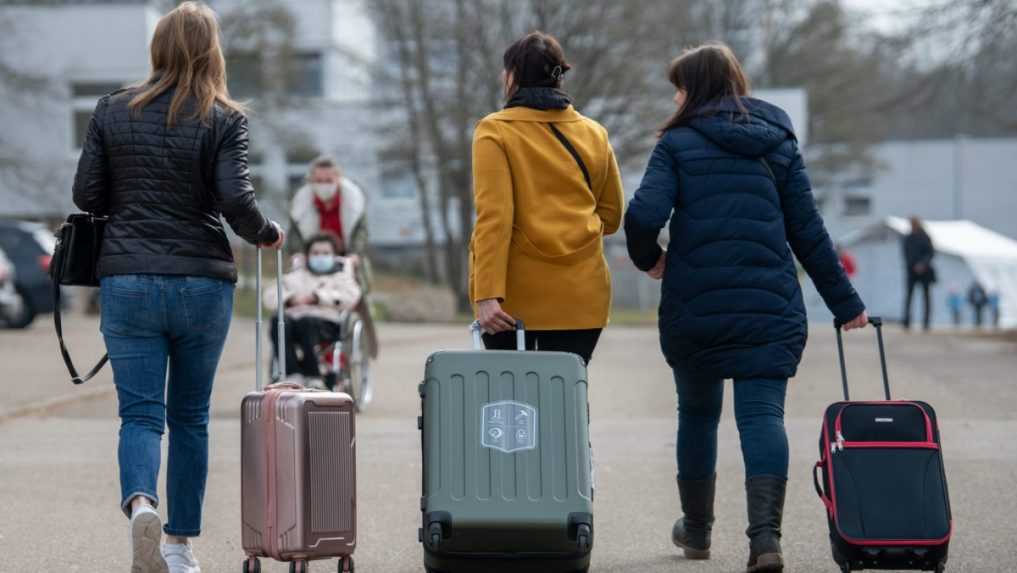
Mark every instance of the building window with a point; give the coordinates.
(857, 205)
(94, 89)
(397, 180)
(307, 75)
(302, 154)
(81, 120)
(84, 96)
(249, 77)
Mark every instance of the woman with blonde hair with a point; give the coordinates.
(728, 175)
(547, 190)
(165, 160)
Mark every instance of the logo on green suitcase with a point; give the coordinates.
(508, 426)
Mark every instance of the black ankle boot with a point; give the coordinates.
(765, 496)
(692, 532)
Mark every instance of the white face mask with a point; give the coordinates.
(320, 264)
(325, 191)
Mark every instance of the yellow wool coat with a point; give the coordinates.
(538, 243)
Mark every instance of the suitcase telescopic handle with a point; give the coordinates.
(478, 343)
(280, 356)
(877, 322)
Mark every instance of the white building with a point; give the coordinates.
(86, 48)
(962, 178)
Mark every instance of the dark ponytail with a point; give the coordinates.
(536, 60)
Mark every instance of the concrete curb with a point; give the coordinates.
(45, 406)
(77, 396)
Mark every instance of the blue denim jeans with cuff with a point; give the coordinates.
(154, 324)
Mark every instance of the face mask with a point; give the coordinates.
(325, 191)
(320, 264)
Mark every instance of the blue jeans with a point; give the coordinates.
(149, 323)
(759, 413)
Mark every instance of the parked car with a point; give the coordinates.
(8, 296)
(29, 248)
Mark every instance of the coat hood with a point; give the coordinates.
(764, 128)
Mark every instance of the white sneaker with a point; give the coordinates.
(315, 384)
(180, 558)
(146, 534)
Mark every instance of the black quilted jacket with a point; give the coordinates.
(164, 188)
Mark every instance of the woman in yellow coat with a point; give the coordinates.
(547, 190)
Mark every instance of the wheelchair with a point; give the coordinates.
(344, 363)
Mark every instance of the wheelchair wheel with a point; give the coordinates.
(359, 365)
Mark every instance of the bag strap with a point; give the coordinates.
(57, 323)
(572, 151)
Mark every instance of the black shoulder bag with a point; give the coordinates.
(572, 151)
(74, 264)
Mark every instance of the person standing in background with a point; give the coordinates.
(847, 261)
(956, 304)
(918, 255)
(994, 307)
(978, 300)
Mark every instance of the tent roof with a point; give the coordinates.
(961, 238)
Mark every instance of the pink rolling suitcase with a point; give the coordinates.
(298, 477)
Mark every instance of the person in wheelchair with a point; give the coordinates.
(317, 296)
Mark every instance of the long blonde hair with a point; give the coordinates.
(186, 53)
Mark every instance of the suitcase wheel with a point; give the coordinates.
(298, 566)
(941, 568)
(252, 565)
(845, 568)
(345, 565)
(583, 538)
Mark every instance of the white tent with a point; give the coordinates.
(965, 253)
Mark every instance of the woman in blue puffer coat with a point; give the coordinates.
(728, 167)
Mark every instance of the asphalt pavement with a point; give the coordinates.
(58, 476)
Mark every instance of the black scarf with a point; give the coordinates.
(539, 98)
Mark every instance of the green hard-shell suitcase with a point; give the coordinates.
(507, 465)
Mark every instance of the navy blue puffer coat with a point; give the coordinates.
(731, 303)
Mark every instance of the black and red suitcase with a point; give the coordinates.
(881, 477)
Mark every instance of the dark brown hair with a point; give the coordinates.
(186, 53)
(536, 60)
(330, 238)
(706, 74)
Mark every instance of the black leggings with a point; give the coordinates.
(581, 342)
(924, 283)
(302, 335)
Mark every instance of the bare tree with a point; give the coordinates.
(449, 55)
(973, 42)
(26, 92)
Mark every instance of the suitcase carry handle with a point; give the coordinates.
(281, 356)
(819, 488)
(478, 343)
(877, 322)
